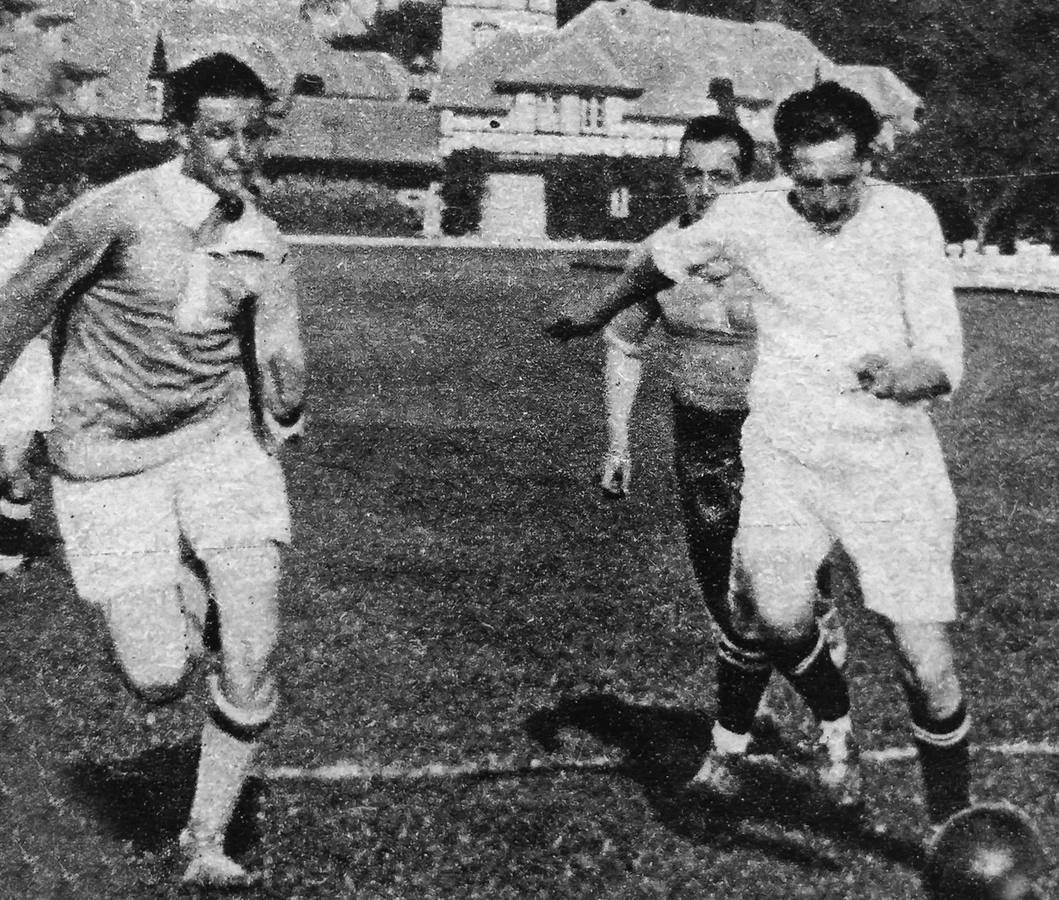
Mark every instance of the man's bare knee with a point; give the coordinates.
(150, 643)
(928, 666)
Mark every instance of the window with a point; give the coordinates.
(548, 112)
(619, 202)
(593, 117)
(154, 96)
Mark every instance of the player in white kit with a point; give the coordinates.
(857, 329)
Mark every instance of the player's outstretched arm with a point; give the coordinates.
(72, 248)
(622, 370)
(640, 281)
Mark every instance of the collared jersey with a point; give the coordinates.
(155, 288)
(18, 239)
(709, 361)
(881, 285)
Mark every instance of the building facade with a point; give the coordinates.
(573, 129)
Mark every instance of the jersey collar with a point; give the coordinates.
(189, 201)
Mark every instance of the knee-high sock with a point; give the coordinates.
(742, 676)
(808, 666)
(229, 745)
(944, 759)
(14, 525)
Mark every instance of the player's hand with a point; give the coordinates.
(874, 374)
(564, 328)
(909, 381)
(616, 473)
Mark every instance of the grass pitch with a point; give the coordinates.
(460, 592)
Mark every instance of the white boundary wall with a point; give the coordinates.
(1033, 267)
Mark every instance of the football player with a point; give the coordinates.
(163, 473)
(858, 330)
(25, 393)
(708, 339)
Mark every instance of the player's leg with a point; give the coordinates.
(906, 577)
(25, 411)
(940, 722)
(709, 476)
(119, 538)
(243, 701)
(233, 510)
(16, 498)
(780, 545)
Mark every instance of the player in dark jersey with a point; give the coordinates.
(708, 339)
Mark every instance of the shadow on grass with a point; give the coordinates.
(663, 748)
(145, 799)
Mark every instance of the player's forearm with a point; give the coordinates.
(621, 373)
(640, 281)
(31, 297)
(277, 339)
(637, 284)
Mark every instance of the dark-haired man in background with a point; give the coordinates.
(710, 358)
(176, 308)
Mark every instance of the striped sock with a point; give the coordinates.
(945, 760)
(808, 666)
(742, 676)
(15, 517)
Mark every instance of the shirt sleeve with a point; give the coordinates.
(929, 302)
(74, 245)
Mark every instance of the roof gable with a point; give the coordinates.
(472, 84)
(572, 65)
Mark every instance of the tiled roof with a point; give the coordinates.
(358, 131)
(572, 64)
(665, 61)
(119, 37)
(472, 84)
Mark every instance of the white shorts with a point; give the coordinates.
(25, 395)
(126, 533)
(893, 510)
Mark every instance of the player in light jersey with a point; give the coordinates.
(857, 330)
(25, 394)
(708, 342)
(176, 309)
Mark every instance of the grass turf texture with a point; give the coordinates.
(458, 585)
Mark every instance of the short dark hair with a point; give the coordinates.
(825, 112)
(219, 75)
(707, 129)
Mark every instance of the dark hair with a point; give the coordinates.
(220, 75)
(707, 129)
(826, 112)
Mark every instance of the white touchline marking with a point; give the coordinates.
(514, 766)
